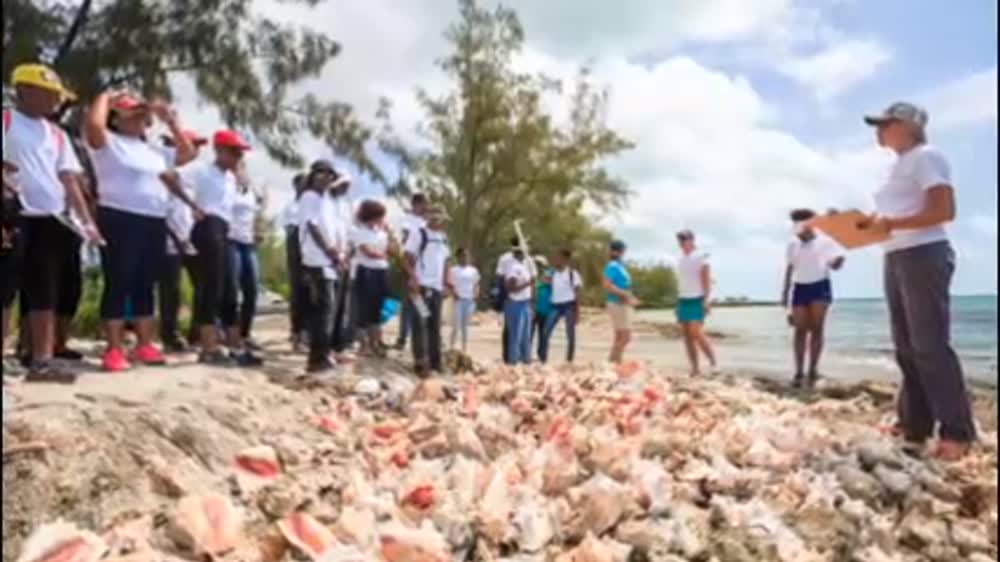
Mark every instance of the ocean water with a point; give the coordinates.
(858, 342)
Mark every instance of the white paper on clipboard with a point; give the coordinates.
(845, 229)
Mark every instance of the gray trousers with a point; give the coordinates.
(426, 331)
(917, 282)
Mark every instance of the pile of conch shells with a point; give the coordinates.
(585, 464)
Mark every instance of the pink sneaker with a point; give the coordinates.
(114, 361)
(148, 355)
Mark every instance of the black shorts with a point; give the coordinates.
(50, 264)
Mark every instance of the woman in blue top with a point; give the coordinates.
(620, 302)
(543, 301)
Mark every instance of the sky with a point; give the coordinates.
(740, 111)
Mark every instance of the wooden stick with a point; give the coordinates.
(26, 447)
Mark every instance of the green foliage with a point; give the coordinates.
(655, 286)
(273, 264)
(242, 62)
(495, 154)
(87, 322)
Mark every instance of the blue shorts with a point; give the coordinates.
(691, 310)
(805, 294)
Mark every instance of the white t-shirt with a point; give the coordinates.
(374, 239)
(464, 278)
(128, 173)
(33, 146)
(688, 268)
(564, 285)
(905, 191)
(244, 212)
(180, 221)
(314, 209)
(214, 188)
(410, 225)
(520, 272)
(508, 258)
(430, 265)
(810, 261)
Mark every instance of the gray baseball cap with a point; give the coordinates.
(900, 111)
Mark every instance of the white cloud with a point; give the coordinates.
(711, 153)
(967, 100)
(838, 67)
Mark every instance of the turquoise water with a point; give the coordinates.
(858, 343)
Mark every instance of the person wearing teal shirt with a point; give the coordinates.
(620, 300)
(543, 301)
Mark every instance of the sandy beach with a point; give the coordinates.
(117, 457)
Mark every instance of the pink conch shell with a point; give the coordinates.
(62, 542)
(208, 524)
(307, 534)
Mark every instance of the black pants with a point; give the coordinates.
(917, 283)
(131, 260)
(426, 331)
(340, 337)
(51, 278)
(169, 289)
(10, 266)
(209, 238)
(372, 287)
(538, 323)
(244, 277)
(320, 295)
(404, 324)
(296, 289)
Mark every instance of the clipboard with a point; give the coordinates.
(845, 230)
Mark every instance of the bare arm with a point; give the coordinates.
(610, 287)
(173, 182)
(939, 208)
(706, 284)
(185, 150)
(371, 253)
(95, 123)
(74, 195)
(317, 235)
(787, 287)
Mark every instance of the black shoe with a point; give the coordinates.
(174, 346)
(797, 381)
(400, 345)
(321, 366)
(252, 345)
(217, 358)
(68, 354)
(49, 372)
(246, 359)
(25, 360)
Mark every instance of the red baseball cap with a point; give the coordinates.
(229, 139)
(127, 102)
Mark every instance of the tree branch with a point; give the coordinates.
(74, 30)
(132, 75)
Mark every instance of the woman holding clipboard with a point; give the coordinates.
(912, 208)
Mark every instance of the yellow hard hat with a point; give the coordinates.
(41, 76)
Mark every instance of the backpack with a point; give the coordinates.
(498, 294)
(425, 240)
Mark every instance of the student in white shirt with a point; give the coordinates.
(132, 210)
(238, 313)
(810, 258)
(463, 280)
(566, 287)
(293, 258)
(372, 247)
(343, 217)
(413, 221)
(520, 282)
(47, 179)
(499, 291)
(214, 186)
(321, 263)
(694, 288)
(913, 207)
(180, 254)
(426, 261)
